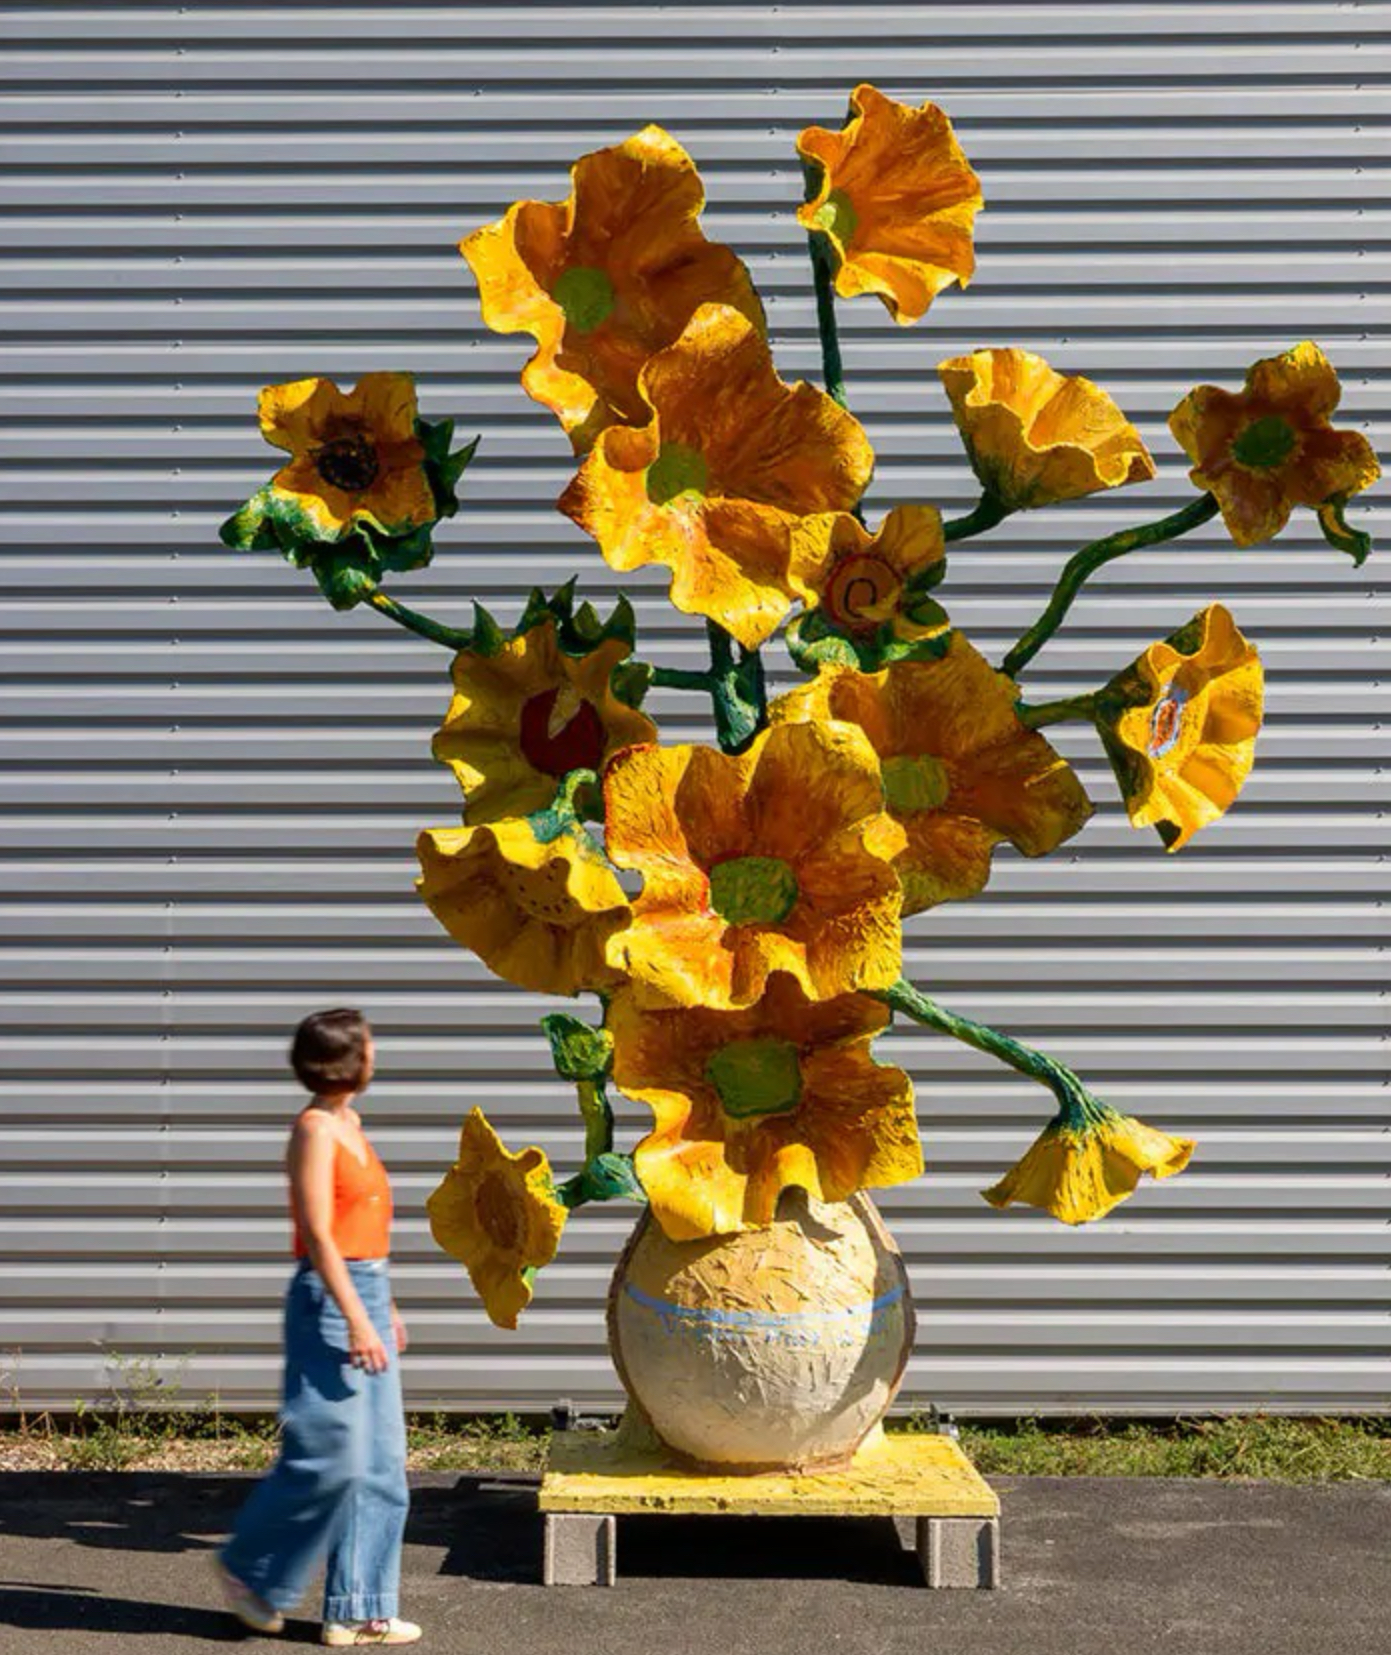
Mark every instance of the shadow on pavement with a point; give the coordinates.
(490, 1530)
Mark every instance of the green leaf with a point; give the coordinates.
(610, 1177)
(579, 1051)
(249, 529)
(488, 636)
(630, 681)
(1340, 534)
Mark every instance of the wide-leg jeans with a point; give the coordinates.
(339, 1485)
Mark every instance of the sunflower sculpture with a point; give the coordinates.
(734, 908)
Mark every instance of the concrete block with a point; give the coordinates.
(960, 1551)
(580, 1549)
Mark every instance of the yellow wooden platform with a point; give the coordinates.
(611, 1473)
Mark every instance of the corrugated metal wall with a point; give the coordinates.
(212, 782)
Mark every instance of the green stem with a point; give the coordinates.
(1075, 707)
(823, 273)
(413, 621)
(1085, 563)
(737, 691)
(598, 1117)
(985, 514)
(1076, 1105)
(682, 678)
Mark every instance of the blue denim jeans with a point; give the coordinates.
(339, 1485)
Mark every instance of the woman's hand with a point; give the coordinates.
(398, 1329)
(365, 1348)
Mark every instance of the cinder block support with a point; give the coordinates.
(579, 1549)
(960, 1551)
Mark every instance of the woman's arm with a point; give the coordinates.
(310, 1165)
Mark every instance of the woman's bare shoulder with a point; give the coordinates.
(313, 1124)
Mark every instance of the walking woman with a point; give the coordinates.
(339, 1485)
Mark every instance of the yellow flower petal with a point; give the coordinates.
(1078, 1175)
(728, 463)
(606, 279)
(961, 773)
(537, 910)
(748, 1103)
(896, 199)
(1035, 437)
(1180, 726)
(1269, 448)
(863, 581)
(778, 859)
(498, 1215)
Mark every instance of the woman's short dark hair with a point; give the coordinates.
(329, 1050)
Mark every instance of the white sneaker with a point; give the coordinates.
(374, 1634)
(252, 1611)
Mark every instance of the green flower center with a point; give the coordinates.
(676, 470)
(586, 296)
(753, 890)
(836, 216)
(912, 784)
(1265, 443)
(756, 1077)
(349, 463)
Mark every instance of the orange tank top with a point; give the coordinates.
(361, 1206)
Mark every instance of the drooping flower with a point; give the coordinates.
(1035, 436)
(497, 1213)
(1078, 1172)
(730, 462)
(867, 594)
(750, 1102)
(355, 456)
(897, 200)
(531, 896)
(530, 712)
(605, 279)
(778, 859)
(961, 773)
(1180, 724)
(1269, 447)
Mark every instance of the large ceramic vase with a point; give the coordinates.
(773, 1350)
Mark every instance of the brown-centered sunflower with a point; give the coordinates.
(497, 1213)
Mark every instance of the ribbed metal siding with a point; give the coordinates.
(212, 782)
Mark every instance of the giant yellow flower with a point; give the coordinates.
(778, 859)
(1078, 1172)
(1035, 436)
(748, 1103)
(961, 773)
(897, 200)
(605, 279)
(497, 1213)
(525, 716)
(1268, 448)
(355, 456)
(532, 897)
(728, 465)
(1180, 726)
(869, 590)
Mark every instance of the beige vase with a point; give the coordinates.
(773, 1350)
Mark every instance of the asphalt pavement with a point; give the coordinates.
(115, 1564)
